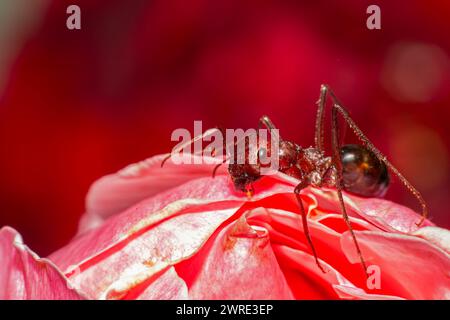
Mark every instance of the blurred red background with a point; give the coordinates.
(76, 105)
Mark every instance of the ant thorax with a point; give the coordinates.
(307, 164)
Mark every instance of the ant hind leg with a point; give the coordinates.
(368, 144)
(337, 161)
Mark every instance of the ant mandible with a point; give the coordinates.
(358, 169)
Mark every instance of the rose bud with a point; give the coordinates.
(177, 233)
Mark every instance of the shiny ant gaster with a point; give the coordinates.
(359, 169)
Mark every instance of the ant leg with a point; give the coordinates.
(303, 184)
(367, 143)
(165, 159)
(320, 117)
(266, 122)
(217, 167)
(199, 137)
(338, 165)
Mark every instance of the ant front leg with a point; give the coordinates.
(303, 184)
(217, 167)
(266, 122)
(179, 148)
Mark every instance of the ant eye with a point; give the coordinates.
(262, 153)
(363, 173)
(262, 157)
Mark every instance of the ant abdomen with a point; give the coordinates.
(362, 172)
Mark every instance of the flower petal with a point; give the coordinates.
(281, 218)
(169, 286)
(238, 264)
(413, 267)
(203, 190)
(308, 282)
(175, 238)
(114, 193)
(384, 214)
(148, 250)
(117, 192)
(437, 236)
(353, 293)
(149, 211)
(163, 285)
(23, 275)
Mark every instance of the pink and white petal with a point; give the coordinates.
(168, 286)
(305, 279)
(148, 250)
(309, 282)
(23, 275)
(149, 211)
(279, 216)
(239, 264)
(412, 267)
(202, 190)
(353, 293)
(89, 221)
(384, 214)
(116, 192)
(438, 236)
(388, 215)
(337, 223)
(285, 230)
(162, 285)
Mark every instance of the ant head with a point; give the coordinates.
(243, 175)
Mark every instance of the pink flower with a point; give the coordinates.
(177, 233)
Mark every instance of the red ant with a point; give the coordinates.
(358, 169)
